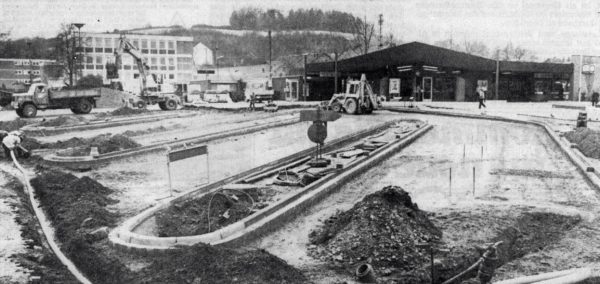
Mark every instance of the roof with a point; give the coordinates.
(417, 53)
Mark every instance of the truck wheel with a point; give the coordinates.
(75, 110)
(368, 109)
(29, 110)
(140, 104)
(351, 106)
(171, 104)
(162, 106)
(19, 112)
(84, 106)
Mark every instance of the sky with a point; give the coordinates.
(550, 28)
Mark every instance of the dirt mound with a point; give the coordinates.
(226, 207)
(76, 207)
(63, 120)
(587, 140)
(105, 144)
(128, 111)
(12, 125)
(208, 264)
(382, 228)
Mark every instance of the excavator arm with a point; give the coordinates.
(142, 66)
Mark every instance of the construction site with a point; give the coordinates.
(364, 167)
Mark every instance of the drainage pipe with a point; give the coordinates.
(537, 278)
(46, 229)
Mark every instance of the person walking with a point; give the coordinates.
(12, 142)
(481, 94)
(595, 96)
(252, 99)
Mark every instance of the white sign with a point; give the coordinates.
(483, 84)
(394, 86)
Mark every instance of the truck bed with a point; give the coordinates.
(69, 94)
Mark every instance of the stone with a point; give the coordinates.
(98, 234)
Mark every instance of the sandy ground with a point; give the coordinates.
(11, 241)
(140, 181)
(520, 166)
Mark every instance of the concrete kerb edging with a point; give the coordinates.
(123, 237)
(580, 163)
(259, 108)
(34, 129)
(89, 161)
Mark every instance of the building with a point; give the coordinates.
(169, 57)
(203, 56)
(16, 74)
(586, 79)
(431, 73)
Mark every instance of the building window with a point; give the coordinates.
(163, 61)
(152, 44)
(26, 62)
(35, 63)
(108, 50)
(98, 49)
(161, 44)
(127, 67)
(171, 45)
(36, 72)
(108, 42)
(153, 68)
(163, 68)
(171, 76)
(144, 43)
(98, 59)
(136, 44)
(145, 51)
(19, 72)
(18, 62)
(98, 67)
(89, 66)
(89, 60)
(154, 51)
(171, 62)
(171, 68)
(89, 49)
(171, 52)
(162, 51)
(153, 61)
(99, 43)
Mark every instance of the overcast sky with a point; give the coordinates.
(549, 27)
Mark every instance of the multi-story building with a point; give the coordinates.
(169, 57)
(17, 73)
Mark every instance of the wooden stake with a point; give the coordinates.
(473, 181)
(450, 183)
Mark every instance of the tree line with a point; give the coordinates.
(251, 18)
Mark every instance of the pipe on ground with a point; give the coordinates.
(550, 276)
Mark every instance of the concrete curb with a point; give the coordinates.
(260, 108)
(44, 131)
(85, 162)
(123, 236)
(580, 161)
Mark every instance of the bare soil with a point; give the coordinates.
(69, 201)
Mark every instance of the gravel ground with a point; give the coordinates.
(423, 170)
(11, 241)
(140, 181)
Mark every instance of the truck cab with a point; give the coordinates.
(261, 90)
(37, 93)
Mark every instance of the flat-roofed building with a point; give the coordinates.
(169, 57)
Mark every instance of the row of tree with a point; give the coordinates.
(251, 18)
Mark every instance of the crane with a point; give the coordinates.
(166, 101)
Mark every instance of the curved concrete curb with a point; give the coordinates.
(241, 109)
(47, 228)
(580, 162)
(36, 130)
(123, 236)
(86, 162)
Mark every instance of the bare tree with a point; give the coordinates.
(66, 51)
(476, 48)
(519, 53)
(363, 33)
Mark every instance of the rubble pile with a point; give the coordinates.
(381, 229)
(128, 111)
(13, 125)
(587, 140)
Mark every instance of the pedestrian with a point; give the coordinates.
(12, 142)
(252, 98)
(595, 96)
(481, 94)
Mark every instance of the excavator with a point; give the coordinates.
(358, 98)
(149, 95)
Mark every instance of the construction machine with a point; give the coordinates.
(151, 92)
(358, 98)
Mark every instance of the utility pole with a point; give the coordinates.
(30, 63)
(270, 57)
(305, 84)
(380, 35)
(497, 87)
(335, 70)
(77, 59)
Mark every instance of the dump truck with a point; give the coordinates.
(40, 97)
(358, 98)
